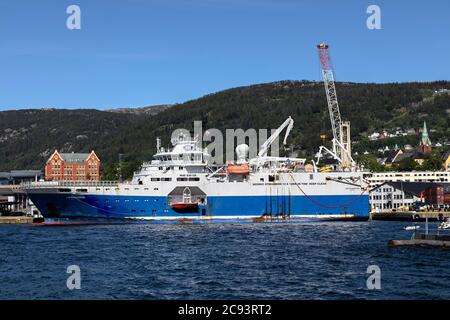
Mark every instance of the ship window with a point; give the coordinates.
(271, 178)
(145, 188)
(194, 179)
(166, 179)
(64, 190)
(311, 177)
(155, 179)
(180, 168)
(81, 190)
(155, 188)
(182, 179)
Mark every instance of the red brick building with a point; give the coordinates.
(72, 167)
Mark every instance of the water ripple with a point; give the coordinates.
(312, 260)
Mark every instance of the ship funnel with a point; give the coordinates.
(242, 153)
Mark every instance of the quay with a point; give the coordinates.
(16, 220)
(14, 202)
(410, 215)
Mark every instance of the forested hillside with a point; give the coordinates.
(28, 136)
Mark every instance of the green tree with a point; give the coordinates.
(432, 162)
(369, 161)
(407, 164)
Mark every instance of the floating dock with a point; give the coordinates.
(434, 240)
(439, 239)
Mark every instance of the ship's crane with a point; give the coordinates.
(341, 130)
(289, 123)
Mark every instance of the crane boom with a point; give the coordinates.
(289, 123)
(341, 129)
(330, 89)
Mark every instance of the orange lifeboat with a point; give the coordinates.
(242, 168)
(184, 206)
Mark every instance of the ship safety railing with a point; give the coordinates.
(80, 183)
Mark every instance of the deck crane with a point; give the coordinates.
(341, 129)
(289, 123)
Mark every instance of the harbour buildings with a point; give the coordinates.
(11, 197)
(406, 195)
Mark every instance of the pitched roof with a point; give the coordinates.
(414, 188)
(392, 155)
(446, 155)
(195, 191)
(404, 155)
(74, 157)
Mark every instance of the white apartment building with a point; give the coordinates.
(393, 196)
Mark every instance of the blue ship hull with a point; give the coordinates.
(218, 208)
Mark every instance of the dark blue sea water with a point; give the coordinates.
(316, 260)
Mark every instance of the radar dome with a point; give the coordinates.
(242, 152)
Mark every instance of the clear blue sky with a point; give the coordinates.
(142, 52)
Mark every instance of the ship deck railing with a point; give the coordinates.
(80, 183)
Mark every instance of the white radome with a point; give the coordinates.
(242, 152)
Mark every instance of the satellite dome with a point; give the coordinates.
(242, 152)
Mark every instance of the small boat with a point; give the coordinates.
(409, 228)
(444, 225)
(185, 206)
